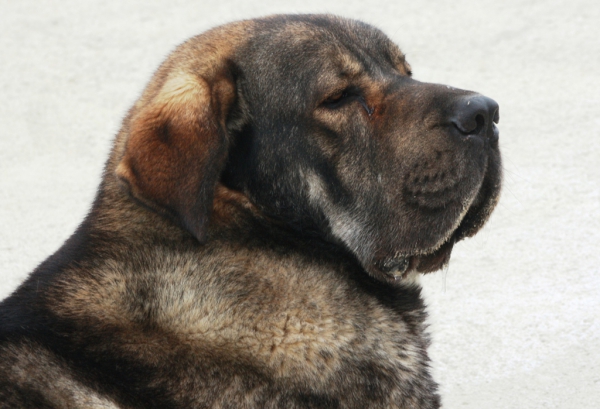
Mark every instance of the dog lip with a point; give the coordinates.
(396, 268)
(430, 262)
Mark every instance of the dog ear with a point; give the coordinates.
(177, 146)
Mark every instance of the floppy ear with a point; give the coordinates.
(177, 147)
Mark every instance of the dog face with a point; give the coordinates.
(330, 136)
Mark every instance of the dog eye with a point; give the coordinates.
(338, 99)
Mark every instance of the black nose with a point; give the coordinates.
(476, 115)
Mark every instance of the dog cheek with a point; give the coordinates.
(345, 225)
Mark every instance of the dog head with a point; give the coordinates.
(318, 121)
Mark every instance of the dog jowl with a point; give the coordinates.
(254, 243)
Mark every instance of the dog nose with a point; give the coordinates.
(476, 115)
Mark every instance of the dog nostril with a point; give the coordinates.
(474, 126)
(480, 121)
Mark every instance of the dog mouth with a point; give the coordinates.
(396, 268)
(393, 268)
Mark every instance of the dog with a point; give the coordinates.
(257, 237)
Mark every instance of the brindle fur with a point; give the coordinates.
(238, 252)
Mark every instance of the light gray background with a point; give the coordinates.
(515, 318)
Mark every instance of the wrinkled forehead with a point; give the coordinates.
(302, 49)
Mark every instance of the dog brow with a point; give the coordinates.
(350, 67)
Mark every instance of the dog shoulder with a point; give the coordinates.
(261, 313)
